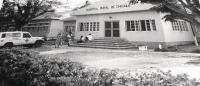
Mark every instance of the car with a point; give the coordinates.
(18, 38)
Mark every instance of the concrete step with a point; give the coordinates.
(106, 47)
(107, 43)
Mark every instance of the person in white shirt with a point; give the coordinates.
(89, 37)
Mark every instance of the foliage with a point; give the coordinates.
(196, 51)
(23, 11)
(161, 50)
(22, 68)
(179, 9)
(167, 49)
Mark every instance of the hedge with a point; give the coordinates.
(27, 68)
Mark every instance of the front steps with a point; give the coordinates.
(106, 43)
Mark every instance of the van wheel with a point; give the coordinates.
(38, 44)
(8, 45)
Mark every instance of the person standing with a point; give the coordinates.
(68, 39)
(58, 40)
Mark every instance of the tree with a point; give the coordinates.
(188, 10)
(23, 11)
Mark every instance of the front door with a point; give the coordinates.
(112, 29)
(69, 29)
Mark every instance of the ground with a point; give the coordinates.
(129, 60)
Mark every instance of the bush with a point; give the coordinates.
(196, 51)
(22, 68)
(168, 49)
(160, 50)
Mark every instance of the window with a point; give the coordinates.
(133, 25)
(26, 35)
(89, 26)
(97, 26)
(141, 25)
(16, 34)
(3, 36)
(153, 24)
(81, 27)
(148, 25)
(137, 25)
(94, 26)
(128, 26)
(179, 26)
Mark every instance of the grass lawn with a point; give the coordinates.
(130, 60)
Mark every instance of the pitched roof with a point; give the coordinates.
(112, 6)
(72, 18)
(49, 15)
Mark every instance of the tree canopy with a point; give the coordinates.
(188, 10)
(23, 11)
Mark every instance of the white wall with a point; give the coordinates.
(145, 36)
(69, 23)
(56, 26)
(176, 36)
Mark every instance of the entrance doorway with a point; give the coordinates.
(70, 29)
(112, 29)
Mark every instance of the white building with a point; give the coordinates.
(136, 23)
(50, 24)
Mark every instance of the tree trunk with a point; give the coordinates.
(195, 41)
(18, 27)
(193, 27)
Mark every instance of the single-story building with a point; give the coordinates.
(136, 23)
(47, 25)
(70, 25)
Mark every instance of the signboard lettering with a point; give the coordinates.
(108, 7)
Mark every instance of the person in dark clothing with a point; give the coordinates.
(81, 40)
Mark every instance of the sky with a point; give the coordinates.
(70, 4)
(1, 3)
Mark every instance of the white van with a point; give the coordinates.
(10, 39)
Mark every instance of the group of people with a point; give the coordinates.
(63, 38)
(85, 39)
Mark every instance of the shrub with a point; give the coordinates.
(168, 49)
(22, 68)
(161, 50)
(196, 51)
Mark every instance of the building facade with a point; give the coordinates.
(136, 23)
(47, 25)
(70, 25)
